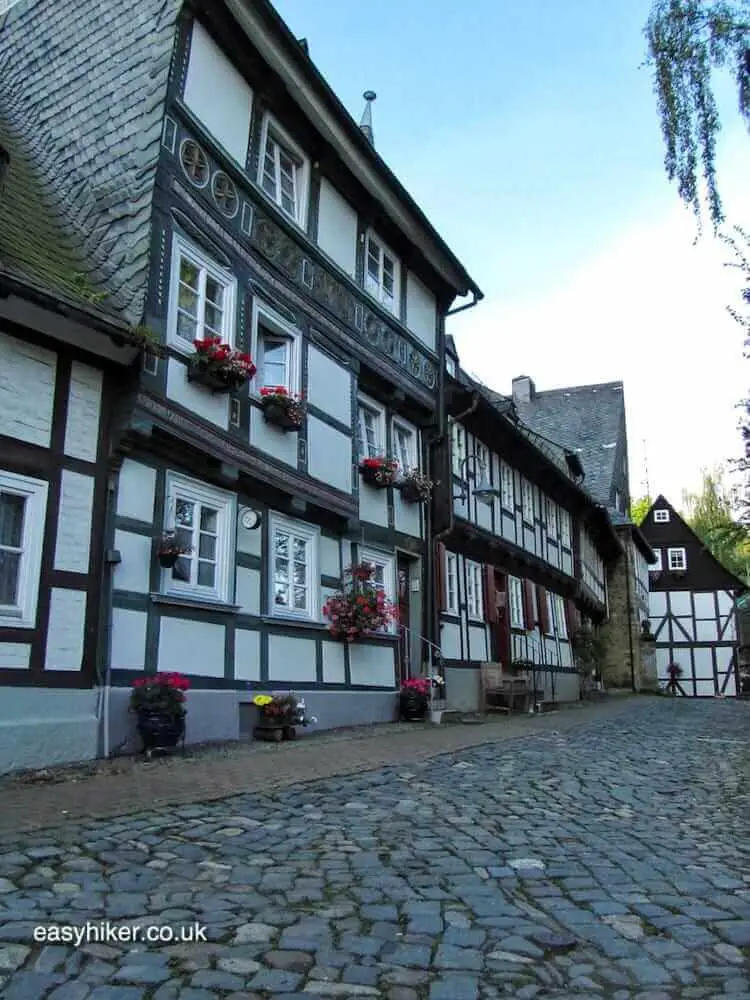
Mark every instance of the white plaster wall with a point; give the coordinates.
(191, 647)
(463, 689)
(274, 441)
(477, 643)
(703, 662)
(73, 544)
(330, 556)
(657, 603)
(128, 639)
(483, 515)
(84, 407)
(42, 728)
(706, 631)
(218, 95)
(248, 590)
(337, 228)
(705, 606)
(334, 664)
(373, 504)
(291, 659)
(14, 655)
(729, 630)
(726, 602)
(421, 311)
(679, 602)
(136, 490)
(329, 455)
(685, 629)
(450, 640)
(27, 390)
(373, 666)
(67, 620)
(132, 572)
(509, 528)
(249, 542)
(329, 386)
(246, 655)
(407, 516)
(212, 406)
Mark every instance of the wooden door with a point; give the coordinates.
(405, 636)
(501, 628)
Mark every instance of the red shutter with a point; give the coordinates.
(543, 610)
(490, 595)
(528, 605)
(440, 595)
(571, 617)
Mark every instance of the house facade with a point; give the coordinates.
(692, 600)
(522, 550)
(244, 203)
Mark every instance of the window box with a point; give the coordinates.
(218, 366)
(362, 605)
(415, 487)
(282, 408)
(378, 472)
(169, 550)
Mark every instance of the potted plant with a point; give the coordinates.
(378, 471)
(158, 702)
(218, 366)
(169, 549)
(414, 698)
(359, 606)
(283, 408)
(437, 702)
(415, 486)
(280, 714)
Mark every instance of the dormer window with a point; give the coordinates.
(382, 273)
(283, 171)
(202, 297)
(661, 516)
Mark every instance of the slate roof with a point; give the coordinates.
(589, 419)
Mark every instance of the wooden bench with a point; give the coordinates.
(501, 693)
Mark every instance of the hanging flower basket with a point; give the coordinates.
(282, 408)
(169, 550)
(219, 367)
(359, 606)
(379, 472)
(415, 487)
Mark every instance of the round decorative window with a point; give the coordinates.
(225, 194)
(194, 162)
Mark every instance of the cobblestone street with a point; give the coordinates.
(605, 859)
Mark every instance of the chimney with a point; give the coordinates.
(524, 389)
(302, 42)
(366, 120)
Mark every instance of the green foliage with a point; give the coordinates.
(639, 508)
(709, 514)
(86, 292)
(590, 648)
(687, 41)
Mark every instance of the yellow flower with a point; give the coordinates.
(262, 699)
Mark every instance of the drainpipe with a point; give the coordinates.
(630, 615)
(477, 298)
(105, 666)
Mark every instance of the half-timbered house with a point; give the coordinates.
(223, 190)
(692, 602)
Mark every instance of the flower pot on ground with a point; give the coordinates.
(415, 487)
(169, 550)
(279, 716)
(414, 699)
(158, 702)
(282, 408)
(379, 471)
(219, 367)
(360, 606)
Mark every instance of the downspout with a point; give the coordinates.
(630, 616)
(105, 665)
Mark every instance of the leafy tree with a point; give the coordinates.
(739, 243)
(639, 508)
(709, 514)
(687, 41)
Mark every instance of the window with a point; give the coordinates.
(550, 614)
(201, 298)
(482, 462)
(551, 513)
(515, 590)
(506, 486)
(23, 505)
(283, 171)
(474, 591)
(565, 528)
(676, 559)
(618, 501)
(294, 581)
(381, 273)
(661, 516)
(657, 566)
(404, 447)
(527, 501)
(458, 448)
(561, 625)
(275, 350)
(203, 520)
(383, 577)
(370, 430)
(451, 583)
(450, 367)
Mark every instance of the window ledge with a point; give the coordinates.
(195, 602)
(286, 620)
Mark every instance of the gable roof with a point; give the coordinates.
(587, 419)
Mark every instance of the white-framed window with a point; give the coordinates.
(370, 429)
(203, 519)
(404, 446)
(458, 448)
(565, 532)
(383, 577)
(275, 349)
(515, 599)
(451, 583)
(561, 625)
(527, 501)
(551, 622)
(202, 297)
(661, 516)
(382, 273)
(474, 603)
(482, 456)
(676, 559)
(23, 507)
(507, 493)
(551, 514)
(294, 581)
(283, 171)
(657, 566)
(618, 501)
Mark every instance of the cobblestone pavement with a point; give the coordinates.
(608, 860)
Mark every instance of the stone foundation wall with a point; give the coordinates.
(621, 631)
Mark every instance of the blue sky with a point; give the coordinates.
(528, 133)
